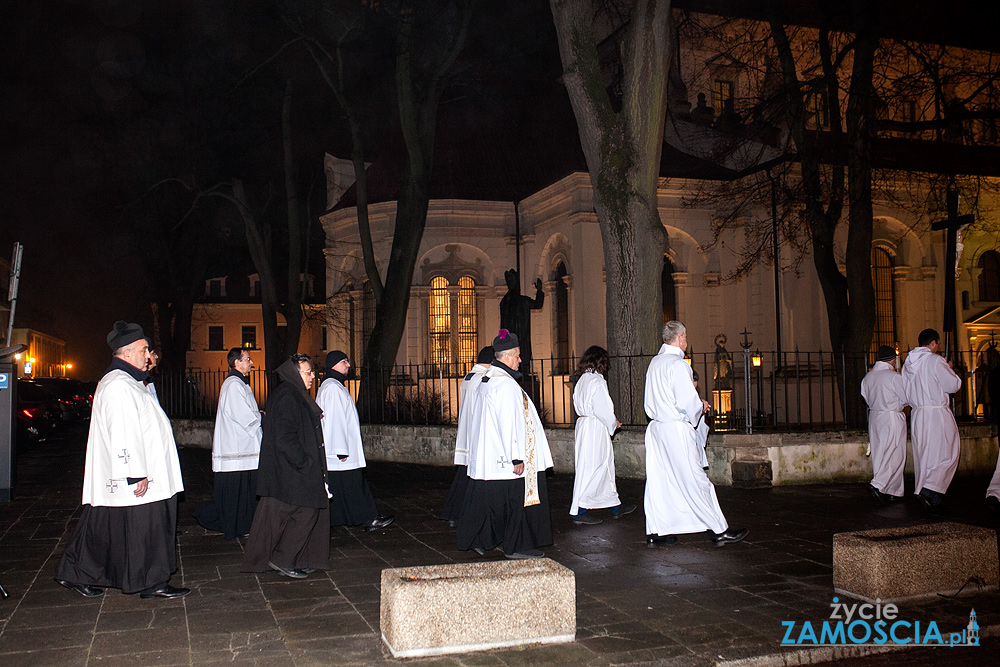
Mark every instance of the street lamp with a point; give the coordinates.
(746, 344)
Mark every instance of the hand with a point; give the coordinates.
(538, 284)
(519, 469)
(706, 406)
(342, 457)
(618, 425)
(141, 487)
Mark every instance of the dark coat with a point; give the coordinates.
(292, 464)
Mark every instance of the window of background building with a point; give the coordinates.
(439, 323)
(989, 276)
(563, 363)
(908, 111)
(817, 111)
(248, 336)
(722, 91)
(885, 299)
(468, 336)
(215, 288)
(216, 339)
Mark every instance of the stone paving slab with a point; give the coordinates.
(689, 604)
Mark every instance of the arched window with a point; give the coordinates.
(468, 336)
(439, 323)
(989, 276)
(885, 299)
(560, 349)
(669, 293)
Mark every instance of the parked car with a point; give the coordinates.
(75, 397)
(38, 411)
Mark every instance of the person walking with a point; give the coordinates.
(125, 537)
(594, 481)
(291, 527)
(928, 380)
(235, 453)
(679, 496)
(883, 390)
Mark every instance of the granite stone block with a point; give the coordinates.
(438, 609)
(895, 564)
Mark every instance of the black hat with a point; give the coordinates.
(486, 355)
(335, 357)
(124, 333)
(885, 353)
(505, 340)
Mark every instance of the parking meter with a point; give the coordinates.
(8, 421)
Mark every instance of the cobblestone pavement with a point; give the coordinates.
(688, 604)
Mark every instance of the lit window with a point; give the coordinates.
(722, 91)
(563, 364)
(468, 339)
(248, 337)
(817, 111)
(439, 324)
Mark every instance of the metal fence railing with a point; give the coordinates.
(748, 390)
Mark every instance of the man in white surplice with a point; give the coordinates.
(235, 452)
(929, 380)
(882, 388)
(679, 496)
(507, 501)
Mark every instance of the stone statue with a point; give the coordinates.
(515, 314)
(723, 365)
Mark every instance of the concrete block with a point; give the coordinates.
(894, 564)
(438, 609)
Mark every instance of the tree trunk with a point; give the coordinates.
(623, 151)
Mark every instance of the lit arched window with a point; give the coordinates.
(468, 339)
(989, 276)
(439, 324)
(885, 299)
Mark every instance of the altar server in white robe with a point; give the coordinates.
(679, 496)
(467, 394)
(352, 503)
(929, 379)
(235, 452)
(883, 390)
(125, 537)
(507, 501)
(702, 428)
(594, 484)
(993, 491)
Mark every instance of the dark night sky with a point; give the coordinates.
(83, 75)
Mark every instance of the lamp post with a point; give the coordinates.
(746, 344)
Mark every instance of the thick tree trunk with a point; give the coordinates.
(623, 152)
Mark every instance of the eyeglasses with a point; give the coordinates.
(308, 372)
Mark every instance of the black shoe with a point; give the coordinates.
(731, 536)
(452, 523)
(993, 504)
(244, 536)
(525, 555)
(83, 589)
(165, 591)
(307, 570)
(661, 539)
(932, 500)
(479, 551)
(379, 522)
(879, 497)
(586, 520)
(288, 571)
(622, 511)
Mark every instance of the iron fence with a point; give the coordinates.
(748, 390)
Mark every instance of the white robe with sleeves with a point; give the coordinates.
(882, 388)
(594, 483)
(236, 442)
(467, 395)
(679, 496)
(130, 436)
(929, 380)
(341, 426)
(499, 433)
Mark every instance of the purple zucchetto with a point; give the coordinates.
(505, 340)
